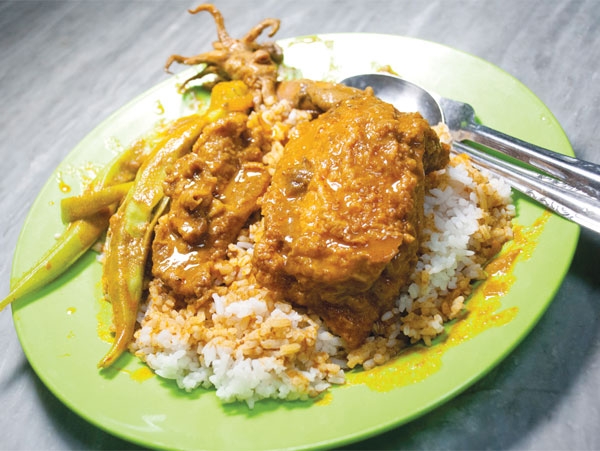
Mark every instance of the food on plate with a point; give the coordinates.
(344, 212)
(293, 231)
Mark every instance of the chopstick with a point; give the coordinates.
(553, 193)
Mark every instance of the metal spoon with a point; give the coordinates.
(567, 185)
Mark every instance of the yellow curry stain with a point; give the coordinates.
(482, 312)
(140, 375)
(63, 186)
(160, 108)
(324, 399)
(80, 176)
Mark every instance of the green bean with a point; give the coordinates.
(131, 226)
(79, 235)
(73, 243)
(89, 203)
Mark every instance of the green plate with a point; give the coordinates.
(61, 327)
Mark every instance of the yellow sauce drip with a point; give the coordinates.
(482, 312)
(160, 108)
(63, 186)
(141, 374)
(324, 399)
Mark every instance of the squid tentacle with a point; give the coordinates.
(222, 33)
(255, 32)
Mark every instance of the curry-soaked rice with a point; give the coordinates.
(250, 345)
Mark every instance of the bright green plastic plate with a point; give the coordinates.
(58, 327)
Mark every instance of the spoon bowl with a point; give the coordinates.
(401, 93)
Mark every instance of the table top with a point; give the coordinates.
(66, 65)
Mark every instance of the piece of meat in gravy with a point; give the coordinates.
(344, 211)
(213, 192)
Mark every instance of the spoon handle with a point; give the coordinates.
(554, 194)
(581, 174)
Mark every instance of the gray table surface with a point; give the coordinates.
(66, 65)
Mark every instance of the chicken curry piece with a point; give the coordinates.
(344, 212)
